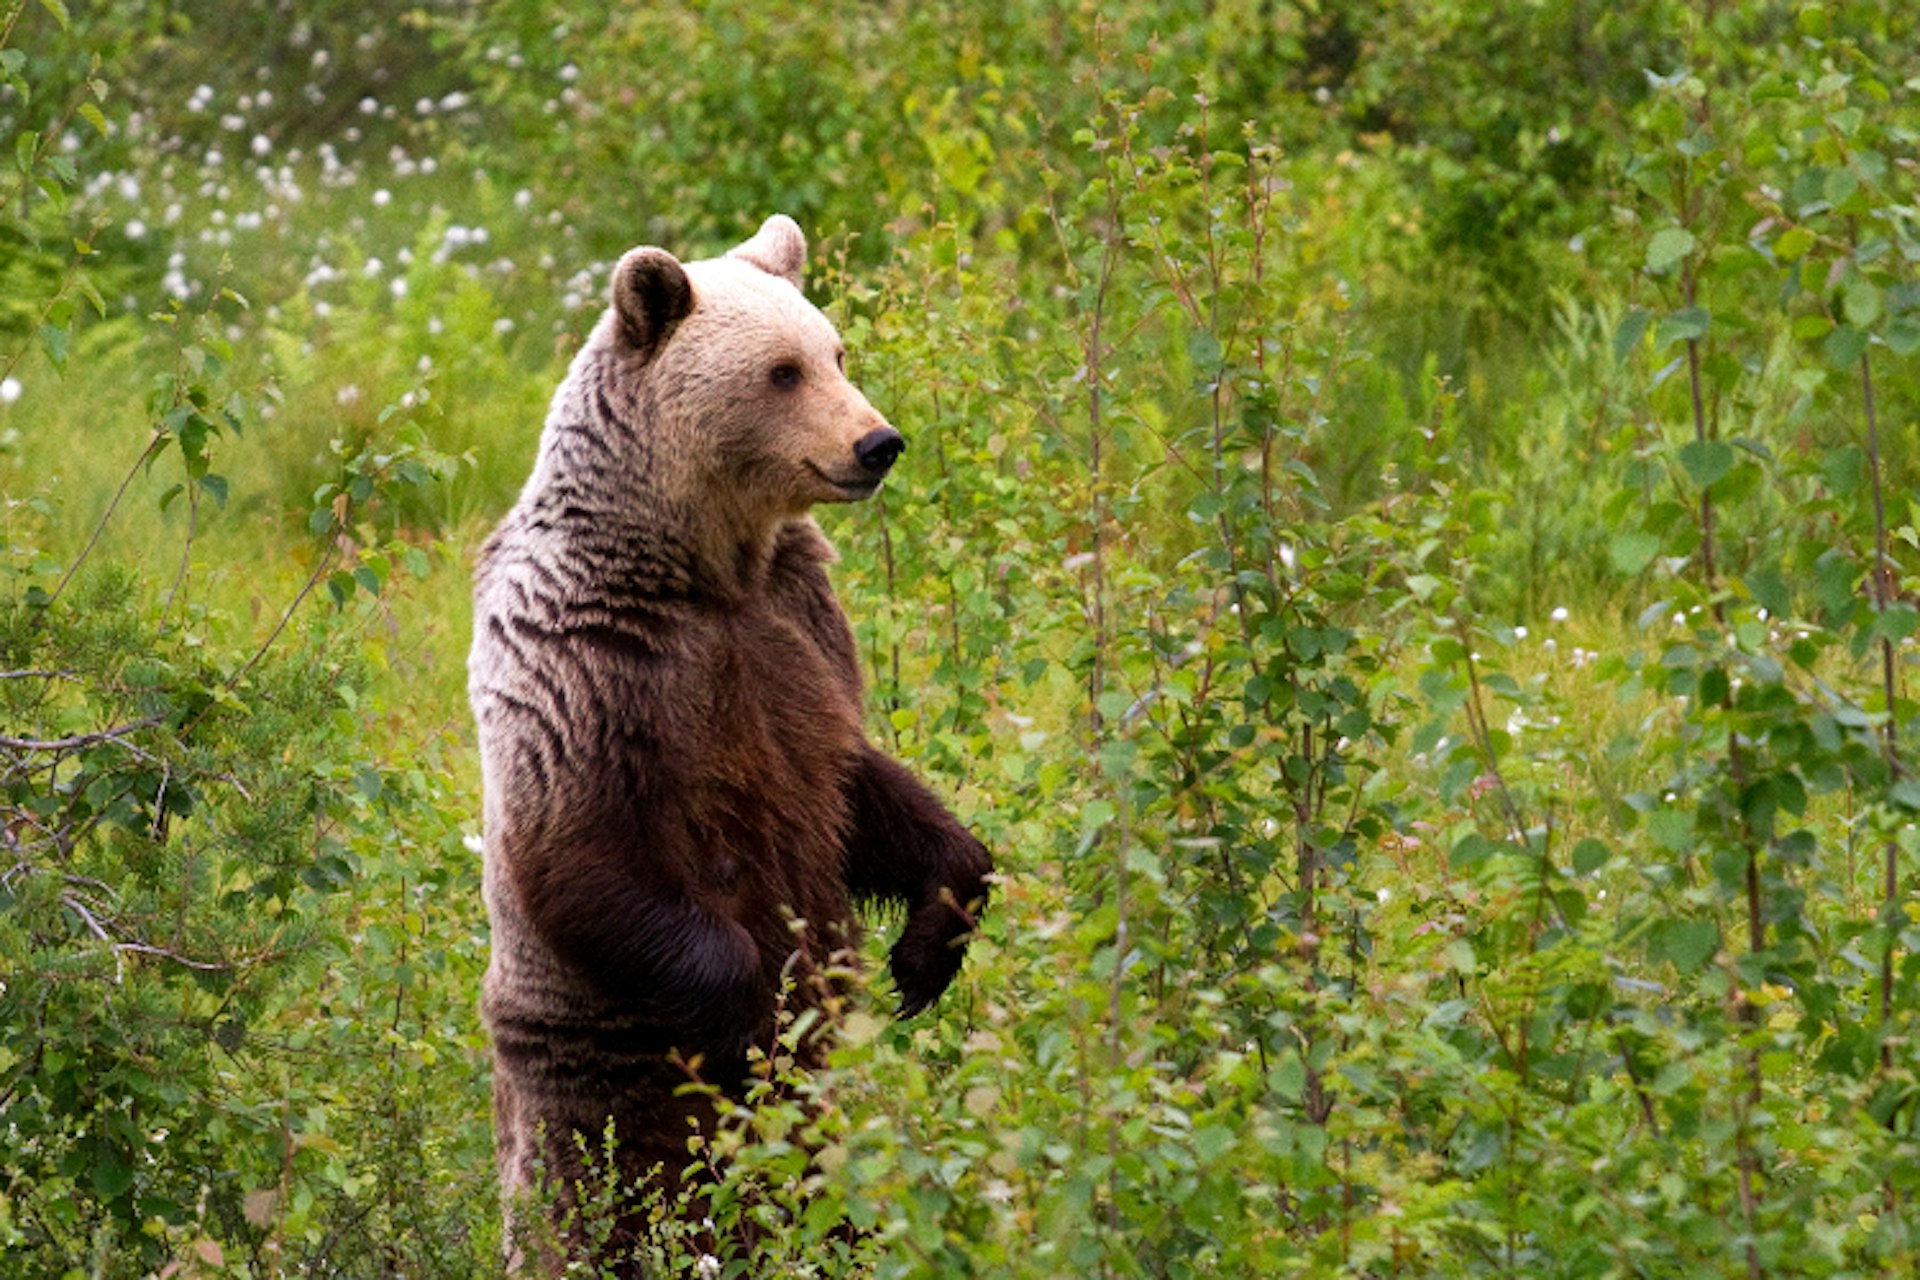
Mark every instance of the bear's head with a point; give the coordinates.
(748, 378)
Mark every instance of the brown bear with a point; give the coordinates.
(681, 808)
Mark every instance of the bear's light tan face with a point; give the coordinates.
(786, 419)
(754, 380)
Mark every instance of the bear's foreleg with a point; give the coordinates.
(906, 847)
(659, 948)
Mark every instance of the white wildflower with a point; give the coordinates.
(9, 390)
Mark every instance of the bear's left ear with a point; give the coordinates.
(651, 294)
(777, 248)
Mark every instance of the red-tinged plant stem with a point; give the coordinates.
(1890, 731)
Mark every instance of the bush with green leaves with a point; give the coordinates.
(1405, 552)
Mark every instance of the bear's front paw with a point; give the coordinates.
(928, 954)
(922, 979)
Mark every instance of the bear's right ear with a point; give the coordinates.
(651, 293)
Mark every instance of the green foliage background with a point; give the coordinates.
(1407, 553)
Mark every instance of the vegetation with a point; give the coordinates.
(1407, 553)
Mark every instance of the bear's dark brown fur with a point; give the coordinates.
(681, 807)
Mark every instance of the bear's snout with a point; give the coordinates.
(876, 450)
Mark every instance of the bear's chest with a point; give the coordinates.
(767, 786)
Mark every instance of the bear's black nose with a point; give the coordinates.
(876, 450)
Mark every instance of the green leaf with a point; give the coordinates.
(1793, 245)
(1845, 470)
(112, 1175)
(1633, 552)
(1895, 622)
(54, 339)
(1687, 325)
(1668, 247)
(1845, 345)
(216, 487)
(1706, 460)
(1906, 794)
(1689, 944)
(1770, 591)
(1471, 850)
(1204, 350)
(1633, 327)
(23, 150)
(58, 9)
(1589, 856)
(1862, 303)
(1903, 336)
(1834, 576)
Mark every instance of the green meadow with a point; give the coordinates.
(1407, 552)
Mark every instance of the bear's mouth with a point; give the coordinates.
(863, 486)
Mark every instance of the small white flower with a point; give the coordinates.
(1559, 614)
(9, 390)
(368, 106)
(382, 198)
(349, 394)
(503, 326)
(136, 229)
(1520, 633)
(1383, 893)
(398, 287)
(373, 268)
(261, 144)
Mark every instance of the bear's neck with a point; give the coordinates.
(634, 541)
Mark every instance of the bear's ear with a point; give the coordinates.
(651, 293)
(777, 248)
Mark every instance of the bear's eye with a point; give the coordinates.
(785, 374)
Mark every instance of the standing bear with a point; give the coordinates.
(681, 807)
